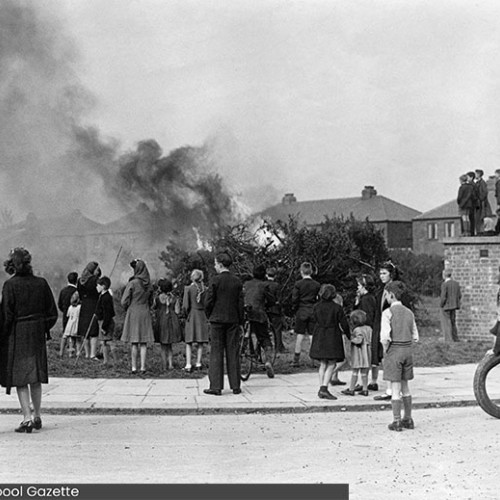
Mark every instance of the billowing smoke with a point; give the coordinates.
(51, 162)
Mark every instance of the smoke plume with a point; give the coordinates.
(52, 162)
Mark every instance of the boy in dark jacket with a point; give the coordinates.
(105, 312)
(304, 296)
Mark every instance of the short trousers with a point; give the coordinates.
(304, 326)
(398, 364)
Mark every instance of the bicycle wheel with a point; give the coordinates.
(489, 405)
(246, 355)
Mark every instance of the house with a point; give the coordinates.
(431, 227)
(391, 217)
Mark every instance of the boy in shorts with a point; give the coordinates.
(398, 333)
(304, 296)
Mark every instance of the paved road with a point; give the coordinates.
(453, 452)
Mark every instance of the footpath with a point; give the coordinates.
(439, 387)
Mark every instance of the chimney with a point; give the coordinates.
(288, 199)
(368, 192)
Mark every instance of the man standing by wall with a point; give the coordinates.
(450, 302)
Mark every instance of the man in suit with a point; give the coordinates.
(225, 312)
(450, 302)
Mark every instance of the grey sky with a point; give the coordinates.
(318, 98)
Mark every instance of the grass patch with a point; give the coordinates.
(432, 350)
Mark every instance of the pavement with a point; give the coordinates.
(439, 387)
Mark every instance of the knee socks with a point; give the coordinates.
(407, 406)
(396, 409)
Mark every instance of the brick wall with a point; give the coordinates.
(475, 263)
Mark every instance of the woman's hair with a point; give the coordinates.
(259, 272)
(366, 281)
(196, 275)
(393, 270)
(165, 285)
(18, 262)
(327, 292)
(75, 299)
(358, 318)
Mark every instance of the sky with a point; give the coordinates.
(317, 98)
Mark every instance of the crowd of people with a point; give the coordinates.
(380, 327)
(476, 215)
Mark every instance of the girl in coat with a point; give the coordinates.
(193, 306)
(167, 309)
(327, 343)
(136, 300)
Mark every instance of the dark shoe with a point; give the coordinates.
(358, 388)
(236, 391)
(337, 382)
(213, 392)
(363, 393)
(188, 369)
(269, 370)
(25, 427)
(408, 423)
(142, 373)
(99, 355)
(133, 372)
(348, 392)
(37, 423)
(373, 387)
(382, 397)
(198, 368)
(326, 395)
(396, 426)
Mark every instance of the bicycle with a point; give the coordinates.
(251, 352)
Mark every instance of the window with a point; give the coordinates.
(449, 229)
(432, 231)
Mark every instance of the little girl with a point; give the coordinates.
(361, 340)
(71, 331)
(167, 309)
(327, 345)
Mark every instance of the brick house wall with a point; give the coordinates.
(475, 264)
(431, 242)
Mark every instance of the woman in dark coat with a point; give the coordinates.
(136, 300)
(28, 312)
(327, 344)
(87, 290)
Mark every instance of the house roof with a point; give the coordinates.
(376, 209)
(71, 224)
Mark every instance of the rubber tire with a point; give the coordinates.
(483, 368)
(246, 358)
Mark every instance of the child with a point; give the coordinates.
(361, 339)
(167, 309)
(105, 312)
(397, 334)
(304, 296)
(71, 330)
(65, 296)
(327, 344)
(196, 331)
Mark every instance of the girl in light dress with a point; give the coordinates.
(71, 331)
(361, 338)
